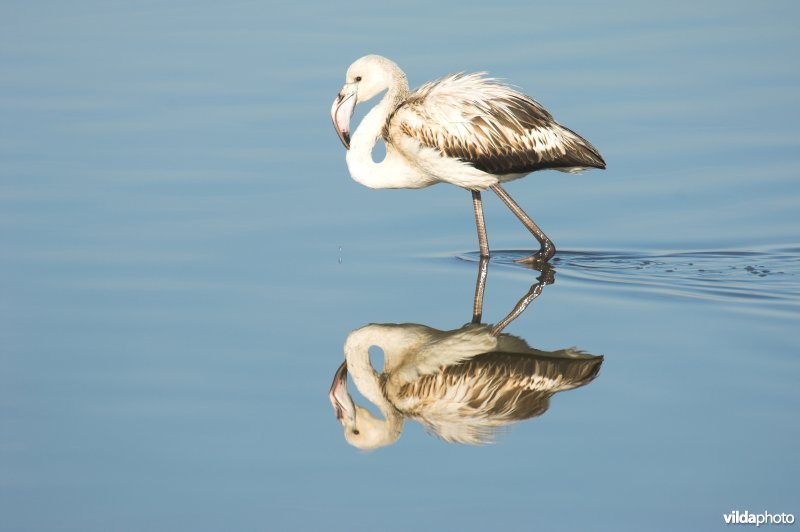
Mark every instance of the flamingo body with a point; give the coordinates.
(468, 130)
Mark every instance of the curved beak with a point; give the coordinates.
(342, 403)
(342, 111)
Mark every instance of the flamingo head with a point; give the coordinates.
(361, 428)
(366, 78)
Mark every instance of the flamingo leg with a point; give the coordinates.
(483, 241)
(480, 288)
(547, 249)
(547, 277)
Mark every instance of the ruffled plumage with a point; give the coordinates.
(490, 126)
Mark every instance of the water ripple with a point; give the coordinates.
(770, 275)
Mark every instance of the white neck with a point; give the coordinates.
(359, 157)
(367, 380)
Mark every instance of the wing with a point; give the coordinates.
(490, 126)
(468, 402)
(442, 349)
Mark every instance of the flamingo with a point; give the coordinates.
(468, 130)
(462, 385)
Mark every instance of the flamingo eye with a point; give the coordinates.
(356, 432)
(358, 78)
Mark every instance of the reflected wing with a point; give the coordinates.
(490, 126)
(443, 349)
(468, 402)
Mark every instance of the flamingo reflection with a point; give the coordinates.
(462, 385)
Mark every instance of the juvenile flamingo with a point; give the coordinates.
(464, 129)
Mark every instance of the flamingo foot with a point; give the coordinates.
(540, 257)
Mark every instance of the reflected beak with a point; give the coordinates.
(341, 112)
(342, 403)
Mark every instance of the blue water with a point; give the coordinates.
(184, 254)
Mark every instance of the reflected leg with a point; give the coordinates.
(483, 241)
(547, 248)
(547, 277)
(480, 288)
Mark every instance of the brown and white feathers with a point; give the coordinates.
(490, 126)
(470, 401)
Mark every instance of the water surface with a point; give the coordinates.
(184, 255)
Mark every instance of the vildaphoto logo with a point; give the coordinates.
(765, 518)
